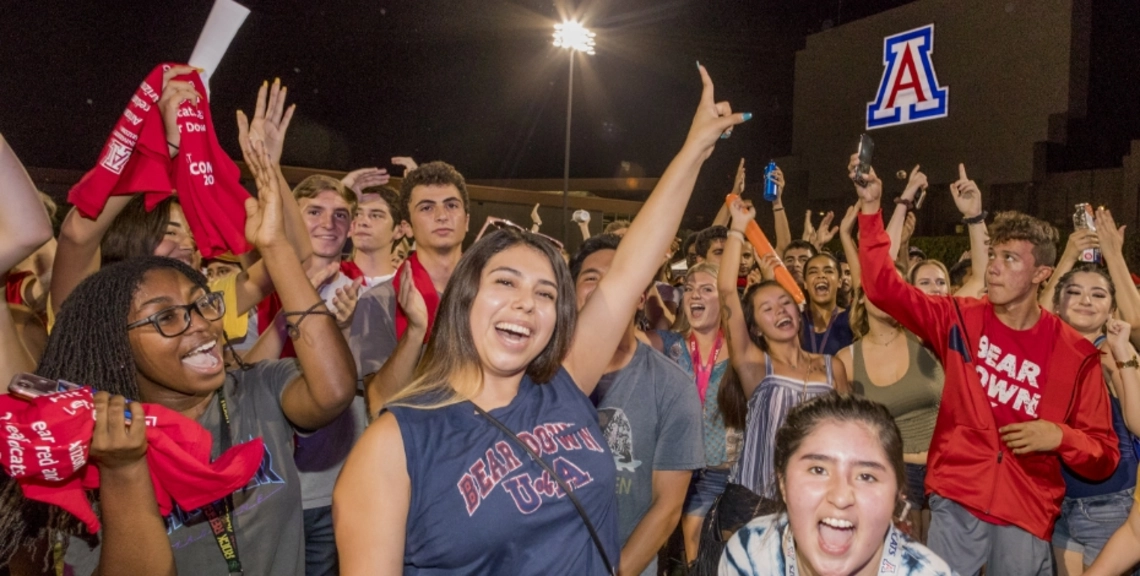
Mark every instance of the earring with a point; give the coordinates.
(905, 510)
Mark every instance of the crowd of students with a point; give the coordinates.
(514, 409)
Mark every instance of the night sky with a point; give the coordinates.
(474, 82)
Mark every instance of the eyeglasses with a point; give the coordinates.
(500, 223)
(173, 321)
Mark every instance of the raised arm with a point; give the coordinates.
(24, 223)
(397, 371)
(722, 215)
(747, 359)
(77, 254)
(968, 199)
(783, 230)
(606, 315)
(850, 249)
(925, 316)
(328, 380)
(916, 183)
(1112, 250)
(1079, 241)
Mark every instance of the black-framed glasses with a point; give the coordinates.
(173, 321)
(500, 223)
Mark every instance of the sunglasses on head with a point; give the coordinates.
(503, 223)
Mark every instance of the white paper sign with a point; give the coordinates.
(226, 17)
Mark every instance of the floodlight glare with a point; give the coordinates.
(574, 36)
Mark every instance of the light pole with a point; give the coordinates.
(575, 38)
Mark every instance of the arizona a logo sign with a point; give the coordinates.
(909, 91)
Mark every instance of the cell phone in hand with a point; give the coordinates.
(30, 386)
(866, 153)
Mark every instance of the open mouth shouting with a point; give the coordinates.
(205, 359)
(511, 333)
(821, 288)
(835, 535)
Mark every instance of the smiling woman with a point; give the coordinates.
(840, 469)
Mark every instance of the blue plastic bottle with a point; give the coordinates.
(771, 191)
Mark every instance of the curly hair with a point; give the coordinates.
(432, 174)
(88, 345)
(1010, 226)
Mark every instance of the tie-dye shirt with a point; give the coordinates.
(757, 550)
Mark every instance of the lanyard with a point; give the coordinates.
(220, 513)
(826, 331)
(889, 562)
(704, 372)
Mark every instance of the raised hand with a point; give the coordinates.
(535, 219)
(712, 120)
(967, 196)
(1111, 237)
(908, 228)
(826, 231)
(741, 213)
(344, 303)
(174, 93)
(916, 183)
(738, 182)
(809, 229)
(871, 192)
(1118, 333)
(1079, 241)
(406, 162)
(847, 224)
(270, 121)
(411, 301)
(319, 275)
(362, 178)
(116, 444)
(264, 220)
(768, 264)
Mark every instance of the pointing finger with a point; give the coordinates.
(962, 172)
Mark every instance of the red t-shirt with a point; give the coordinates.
(1010, 363)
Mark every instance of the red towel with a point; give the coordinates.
(422, 281)
(45, 445)
(135, 159)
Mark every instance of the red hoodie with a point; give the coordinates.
(968, 463)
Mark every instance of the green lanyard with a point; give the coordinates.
(220, 513)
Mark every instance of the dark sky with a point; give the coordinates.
(473, 82)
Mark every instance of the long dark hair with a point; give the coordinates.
(136, 231)
(450, 370)
(1083, 267)
(88, 345)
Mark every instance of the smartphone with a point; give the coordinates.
(866, 152)
(29, 386)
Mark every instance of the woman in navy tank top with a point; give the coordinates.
(434, 487)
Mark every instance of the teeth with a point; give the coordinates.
(513, 328)
(201, 349)
(837, 523)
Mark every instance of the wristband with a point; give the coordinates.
(1133, 363)
(172, 145)
(976, 219)
(737, 234)
(780, 209)
(905, 202)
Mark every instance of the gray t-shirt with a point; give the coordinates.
(651, 418)
(372, 339)
(269, 523)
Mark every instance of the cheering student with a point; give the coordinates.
(1023, 393)
(701, 350)
(436, 209)
(147, 328)
(1086, 299)
(446, 479)
(775, 372)
(839, 460)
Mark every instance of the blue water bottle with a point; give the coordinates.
(771, 191)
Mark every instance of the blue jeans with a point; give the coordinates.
(706, 485)
(1087, 523)
(320, 546)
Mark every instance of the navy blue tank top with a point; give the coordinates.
(480, 505)
(1125, 475)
